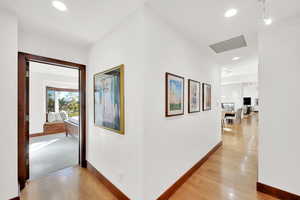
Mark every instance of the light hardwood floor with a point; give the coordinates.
(229, 174)
(72, 183)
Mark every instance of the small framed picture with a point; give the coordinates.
(194, 90)
(174, 95)
(206, 93)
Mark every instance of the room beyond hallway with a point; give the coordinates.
(231, 172)
(54, 113)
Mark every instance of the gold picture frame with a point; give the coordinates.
(117, 119)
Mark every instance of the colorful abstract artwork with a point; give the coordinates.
(193, 96)
(174, 95)
(206, 96)
(109, 99)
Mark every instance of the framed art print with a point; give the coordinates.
(174, 95)
(109, 99)
(194, 88)
(206, 93)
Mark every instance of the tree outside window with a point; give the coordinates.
(59, 99)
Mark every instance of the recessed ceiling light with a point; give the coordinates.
(230, 13)
(235, 58)
(268, 21)
(59, 5)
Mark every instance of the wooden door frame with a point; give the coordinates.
(23, 107)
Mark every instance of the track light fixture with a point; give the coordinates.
(266, 12)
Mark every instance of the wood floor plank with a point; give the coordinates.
(231, 172)
(73, 183)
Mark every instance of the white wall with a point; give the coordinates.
(279, 151)
(251, 90)
(118, 156)
(8, 106)
(38, 84)
(173, 145)
(29, 41)
(234, 93)
(243, 78)
(42, 45)
(155, 151)
(12, 42)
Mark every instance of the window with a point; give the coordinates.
(50, 100)
(61, 99)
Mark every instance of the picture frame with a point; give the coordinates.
(109, 99)
(206, 96)
(174, 95)
(194, 96)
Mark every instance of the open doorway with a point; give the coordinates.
(51, 102)
(53, 118)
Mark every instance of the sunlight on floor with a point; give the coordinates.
(227, 129)
(51, 153)
(39, 145)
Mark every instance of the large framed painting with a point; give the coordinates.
(109, 99)
(174, 95)
(206, 92)
(194, 90)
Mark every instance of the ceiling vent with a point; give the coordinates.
(227, 45)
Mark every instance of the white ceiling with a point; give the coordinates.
(85, 22)
(202, 21)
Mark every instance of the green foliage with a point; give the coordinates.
(70, 104)
(67, 101)
(174, 106)
(74, 114)
(51, 101)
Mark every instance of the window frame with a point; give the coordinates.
(55, 89)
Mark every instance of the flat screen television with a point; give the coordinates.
(247, 101)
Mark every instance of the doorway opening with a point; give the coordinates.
(51, 116)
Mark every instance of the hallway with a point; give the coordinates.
(231, 172)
